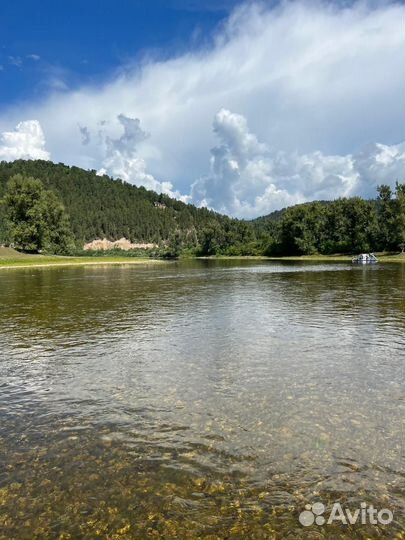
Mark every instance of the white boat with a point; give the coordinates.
(365, 258)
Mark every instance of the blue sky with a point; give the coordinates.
(85, 41)
(242, 106)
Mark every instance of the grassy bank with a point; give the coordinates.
(10, 258)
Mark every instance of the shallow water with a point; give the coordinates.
(200, 400)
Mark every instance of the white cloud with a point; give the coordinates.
(247, 179)
(379, 164)
(241, 170)
(317, 82)
(26, 141)
(121, 159)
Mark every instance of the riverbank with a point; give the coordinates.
(10, 258)
(399, 258)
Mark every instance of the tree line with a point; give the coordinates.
(55, 208)
(343, 226)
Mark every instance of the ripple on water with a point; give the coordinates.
(200, 400)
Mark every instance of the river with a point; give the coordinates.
(201, 400)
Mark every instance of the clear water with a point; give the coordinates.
(200, 400)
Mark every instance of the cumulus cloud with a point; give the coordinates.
(240, 170)
(317, 81)
(121, 159)
(248, 179)
(379, 164)
(26, 141)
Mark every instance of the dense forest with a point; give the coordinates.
(73, 206)
(348, 225)
(99, 207)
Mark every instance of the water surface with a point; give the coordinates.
(200, 400)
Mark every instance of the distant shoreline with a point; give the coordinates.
(399, 258)
(44, 261)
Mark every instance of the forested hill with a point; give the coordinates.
(99, 206)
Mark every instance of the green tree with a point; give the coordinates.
(57, 235)
(174, 246)
(212, 239)
(400, 215)
(302, 229)
(386, 218)
(362, 225)
(37, 220)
